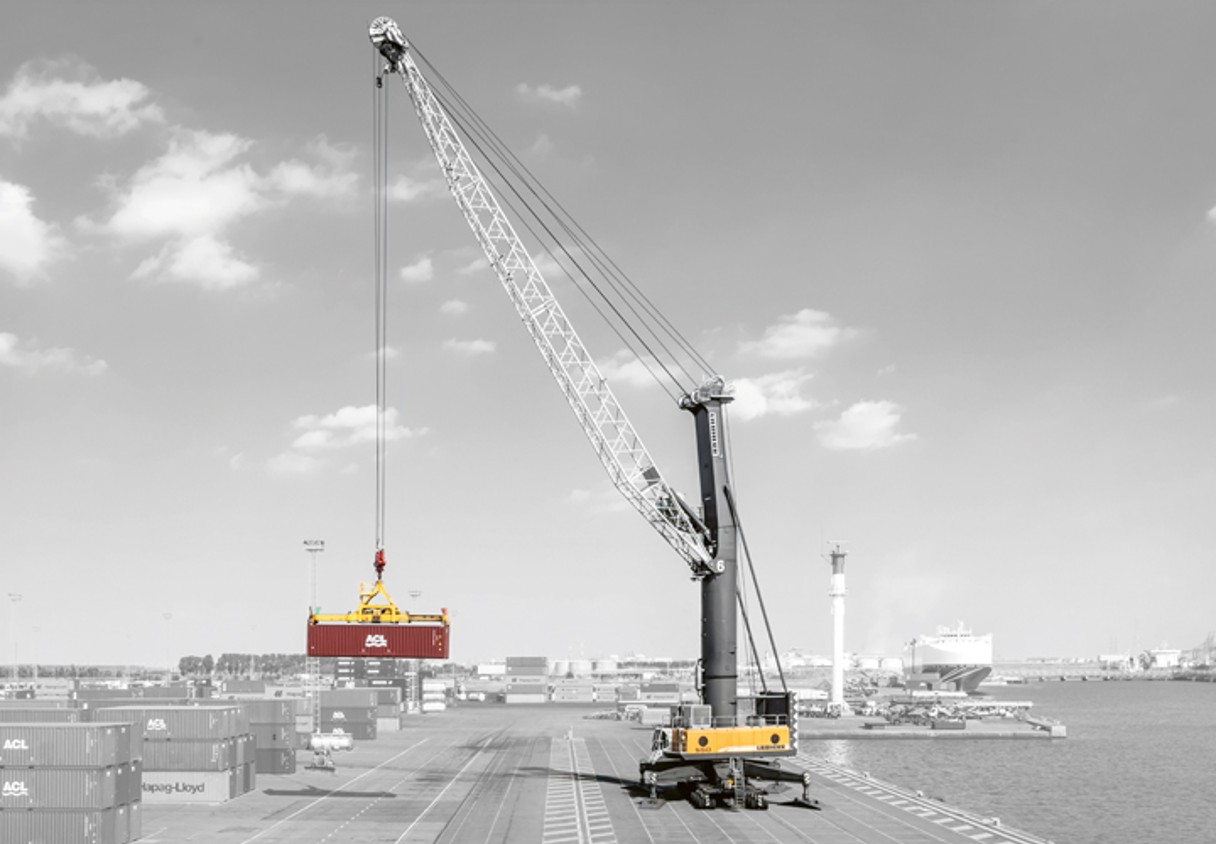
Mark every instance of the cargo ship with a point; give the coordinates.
(955, 659)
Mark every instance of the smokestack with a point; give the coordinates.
(836, 592)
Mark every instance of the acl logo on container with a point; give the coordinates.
(157, 724)
(14, 788)
(376, 640)
(15, 744)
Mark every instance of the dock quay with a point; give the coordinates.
(861, 727)
(546, 774)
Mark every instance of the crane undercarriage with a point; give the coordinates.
(735, 766)
(730, 782)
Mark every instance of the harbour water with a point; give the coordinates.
(1139, 764)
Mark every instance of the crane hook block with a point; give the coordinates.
(380, 562)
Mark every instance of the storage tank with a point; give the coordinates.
(561, 667)
(580, 667)
(892, 663)
(606, 666)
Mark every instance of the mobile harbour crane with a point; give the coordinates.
(711, 754)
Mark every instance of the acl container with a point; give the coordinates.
(69, 783)
(402, 641)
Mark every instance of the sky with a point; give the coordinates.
(955, 258)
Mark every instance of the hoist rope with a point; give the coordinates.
(380, 289)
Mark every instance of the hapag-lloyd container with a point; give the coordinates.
(107, 826)
(180, 722)
(402, 641)
(188, 755)
(67, 745)
(58, 788)
(188, 786)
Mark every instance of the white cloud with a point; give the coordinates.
(776, 394)
(542, 146)
(454, 307)
(330, 178)
(202, 259)
(406, 189)
(196, 187)
(294, 463)
(475, 266)
(347, 427)
(27, 358)
(624, 367)
(799, 335)
(194, 193)
(421, 270)
(469, 347)
(319, 437)
(867, 425)
(29, 243)
(74, 96)
(545, 93)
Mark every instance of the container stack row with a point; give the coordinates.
(273, 725)
(573, 690)
(69, 783)
(191, 754)
(527, 679)
(351, 711)
(434, 696)
(388, 709)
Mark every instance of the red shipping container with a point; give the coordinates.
(400, 641)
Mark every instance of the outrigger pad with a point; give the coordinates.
(651, 803)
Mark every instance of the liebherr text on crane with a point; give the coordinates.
(710, 754)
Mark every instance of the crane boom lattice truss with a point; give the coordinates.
(601, 417)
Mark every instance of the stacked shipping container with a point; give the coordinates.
(388, 709)
(69, 782)
(527, 679)
(352, 711)
(192, 754)
(273, 724)
(570, 690)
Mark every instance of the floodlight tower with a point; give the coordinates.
(312, 664)
(837, 592)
